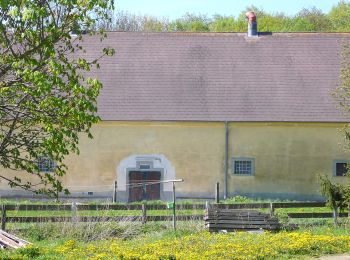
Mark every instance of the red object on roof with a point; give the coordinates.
(251, 16)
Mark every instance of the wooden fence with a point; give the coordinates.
(143, 217)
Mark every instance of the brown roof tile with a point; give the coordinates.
(219, 76)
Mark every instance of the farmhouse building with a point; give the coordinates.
(254, 113)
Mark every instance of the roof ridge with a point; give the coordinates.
(230, 33)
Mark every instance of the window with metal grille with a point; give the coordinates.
(340, 167)
(46, 164)
(243, 166)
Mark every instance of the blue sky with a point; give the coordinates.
(176, 8)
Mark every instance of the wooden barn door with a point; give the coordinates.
(153, 191)
(135, 192)
(140, 188)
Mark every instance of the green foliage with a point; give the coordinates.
(227, 24)
(342, 93)
(199, 245)
(238, 199)
(45, 99)
(307, 20)
(82, 231)
(336, 194)
(30, 251)
(283, 219)
(340, 17)
(191, 23)
(152, 24)
(316, 19)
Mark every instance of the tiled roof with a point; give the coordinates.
(219, 76)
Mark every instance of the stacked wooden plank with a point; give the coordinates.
(237, 219)
(10, 241)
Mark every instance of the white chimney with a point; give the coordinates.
(252, 24)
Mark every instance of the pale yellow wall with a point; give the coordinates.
(288, 156)
(194, 149)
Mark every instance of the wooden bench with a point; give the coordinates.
(237, 219)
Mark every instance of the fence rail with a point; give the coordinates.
(314, 215)
(143, 208)
(68, 207)
(101, 219)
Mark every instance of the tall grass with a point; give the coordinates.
(92, 231)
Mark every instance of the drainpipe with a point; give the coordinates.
(226, 160)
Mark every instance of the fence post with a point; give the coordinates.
(114, 199)
(335, 216)
(144, 214)
(74, 213)
(3, 217)
(272, 209)
(207, 205)
(174, 207)
(217, 193)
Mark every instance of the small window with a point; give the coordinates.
(46, 164)
(243, 166)
(144, 165)
(340, 167)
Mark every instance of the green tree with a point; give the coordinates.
(342, 92)
(152, 24)
(340, 17)
(342, 97)
(191, 23)
(337, 196)
(307, 20)
(227, 24)
(126, 22)
(314, 20)
(45, 99)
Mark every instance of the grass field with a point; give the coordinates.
(157, 240)
(190, 241)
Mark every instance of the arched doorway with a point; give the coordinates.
(141, 177)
